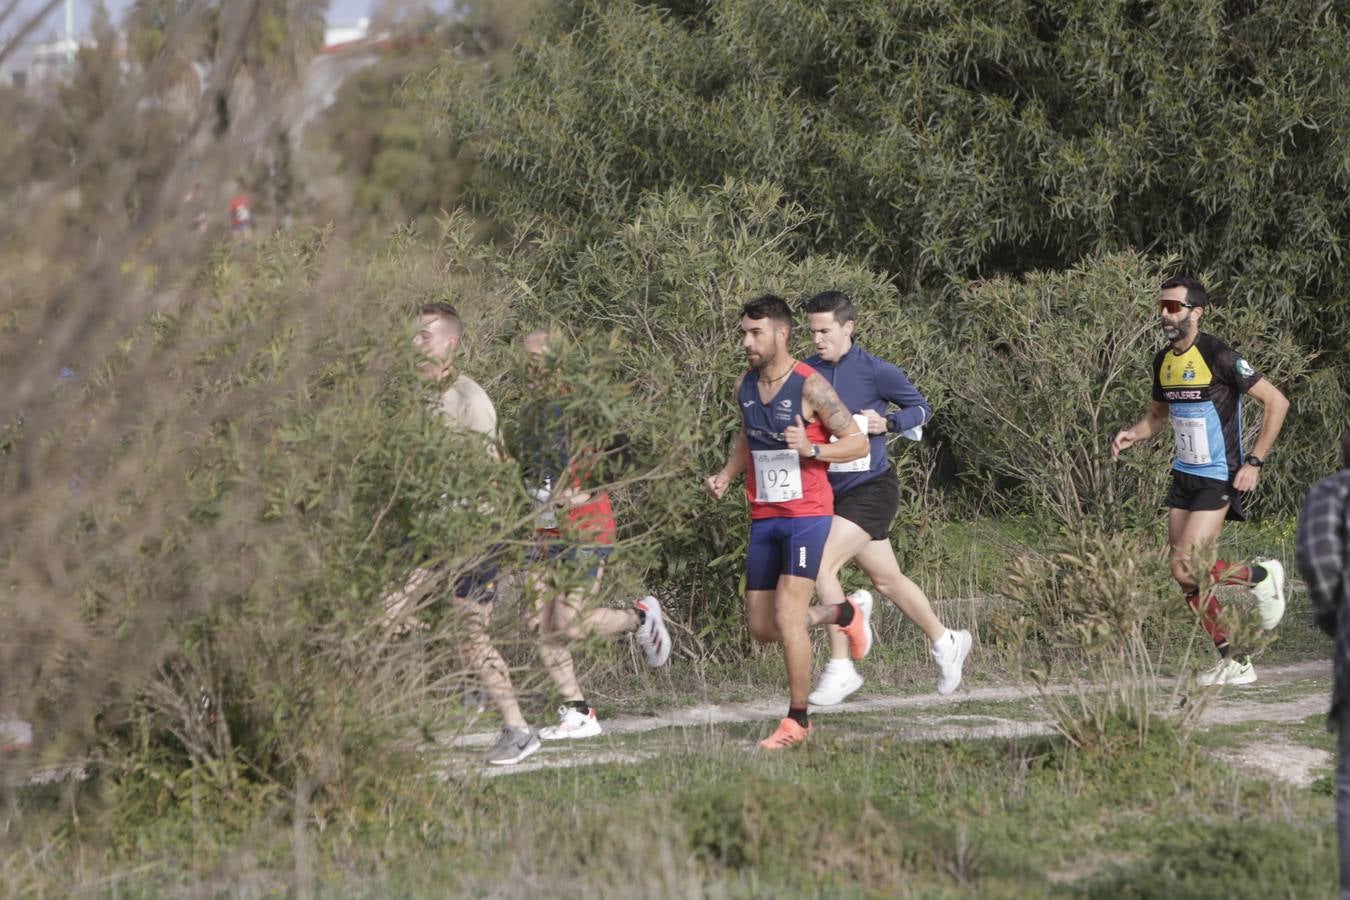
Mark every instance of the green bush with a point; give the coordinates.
(1047, 368)
(949, 142)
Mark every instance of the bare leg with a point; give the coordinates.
(487, 662)
(760, 617)
(877, 559)
(561, 621)
(792, 599)
(846, 541)
(1190, 533)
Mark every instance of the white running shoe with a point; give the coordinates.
(1269, 593)
(15, 734)
(950, 659)
(652, 634)
(835, 684)
(1228, 671)
(571, 725)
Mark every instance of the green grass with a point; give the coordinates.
(854, 813)
(859, 812)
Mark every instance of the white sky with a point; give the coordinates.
(340, 12)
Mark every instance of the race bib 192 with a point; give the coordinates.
(778, 475)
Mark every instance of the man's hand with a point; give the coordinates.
(876, 424)
(1247, 477)
(717, 484)
(1123, 440)
(796, 438)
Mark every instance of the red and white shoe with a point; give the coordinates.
(652, 634)
(572, 724)
(15, 734)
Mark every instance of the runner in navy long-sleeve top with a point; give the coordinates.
(867, 496)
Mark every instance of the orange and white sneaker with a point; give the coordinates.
(789, 734)
(859, 631)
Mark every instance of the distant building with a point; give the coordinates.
(37, 67)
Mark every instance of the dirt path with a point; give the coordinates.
(926, 720)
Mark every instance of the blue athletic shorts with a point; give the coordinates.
(784, 546)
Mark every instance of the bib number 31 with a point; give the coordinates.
(1192, 441)
(778, 476)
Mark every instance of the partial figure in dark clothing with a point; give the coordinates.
(1323, 554)
(574, 534)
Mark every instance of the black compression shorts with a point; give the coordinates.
(871, 505)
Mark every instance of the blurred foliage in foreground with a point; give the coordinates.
(215, 455)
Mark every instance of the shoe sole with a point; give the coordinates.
(657, 620)
(960, 667)
(571, 736)
(1278, 600)
(814, 700)
(774, 747)
(1249, 678)
(866, 618)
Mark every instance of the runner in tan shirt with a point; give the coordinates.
(465, 404)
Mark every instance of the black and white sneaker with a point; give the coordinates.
(512, 745)
(652, 634)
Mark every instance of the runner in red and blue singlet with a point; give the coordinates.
(788, 414)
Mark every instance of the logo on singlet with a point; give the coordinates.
(801, 557)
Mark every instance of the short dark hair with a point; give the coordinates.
(768, 306)
(836, 302)
(442, 310)
(1195, 291)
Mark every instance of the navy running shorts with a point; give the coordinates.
(784, 546)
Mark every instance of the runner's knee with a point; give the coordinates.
(789, 621)
(1181, 572)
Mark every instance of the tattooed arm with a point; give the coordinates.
(821, 402)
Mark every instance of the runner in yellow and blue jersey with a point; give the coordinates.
(1198, 385)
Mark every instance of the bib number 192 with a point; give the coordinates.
(778, 476)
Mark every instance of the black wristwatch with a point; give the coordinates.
(815, 451)
(1252, 459)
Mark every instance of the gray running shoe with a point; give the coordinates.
(512, 745)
